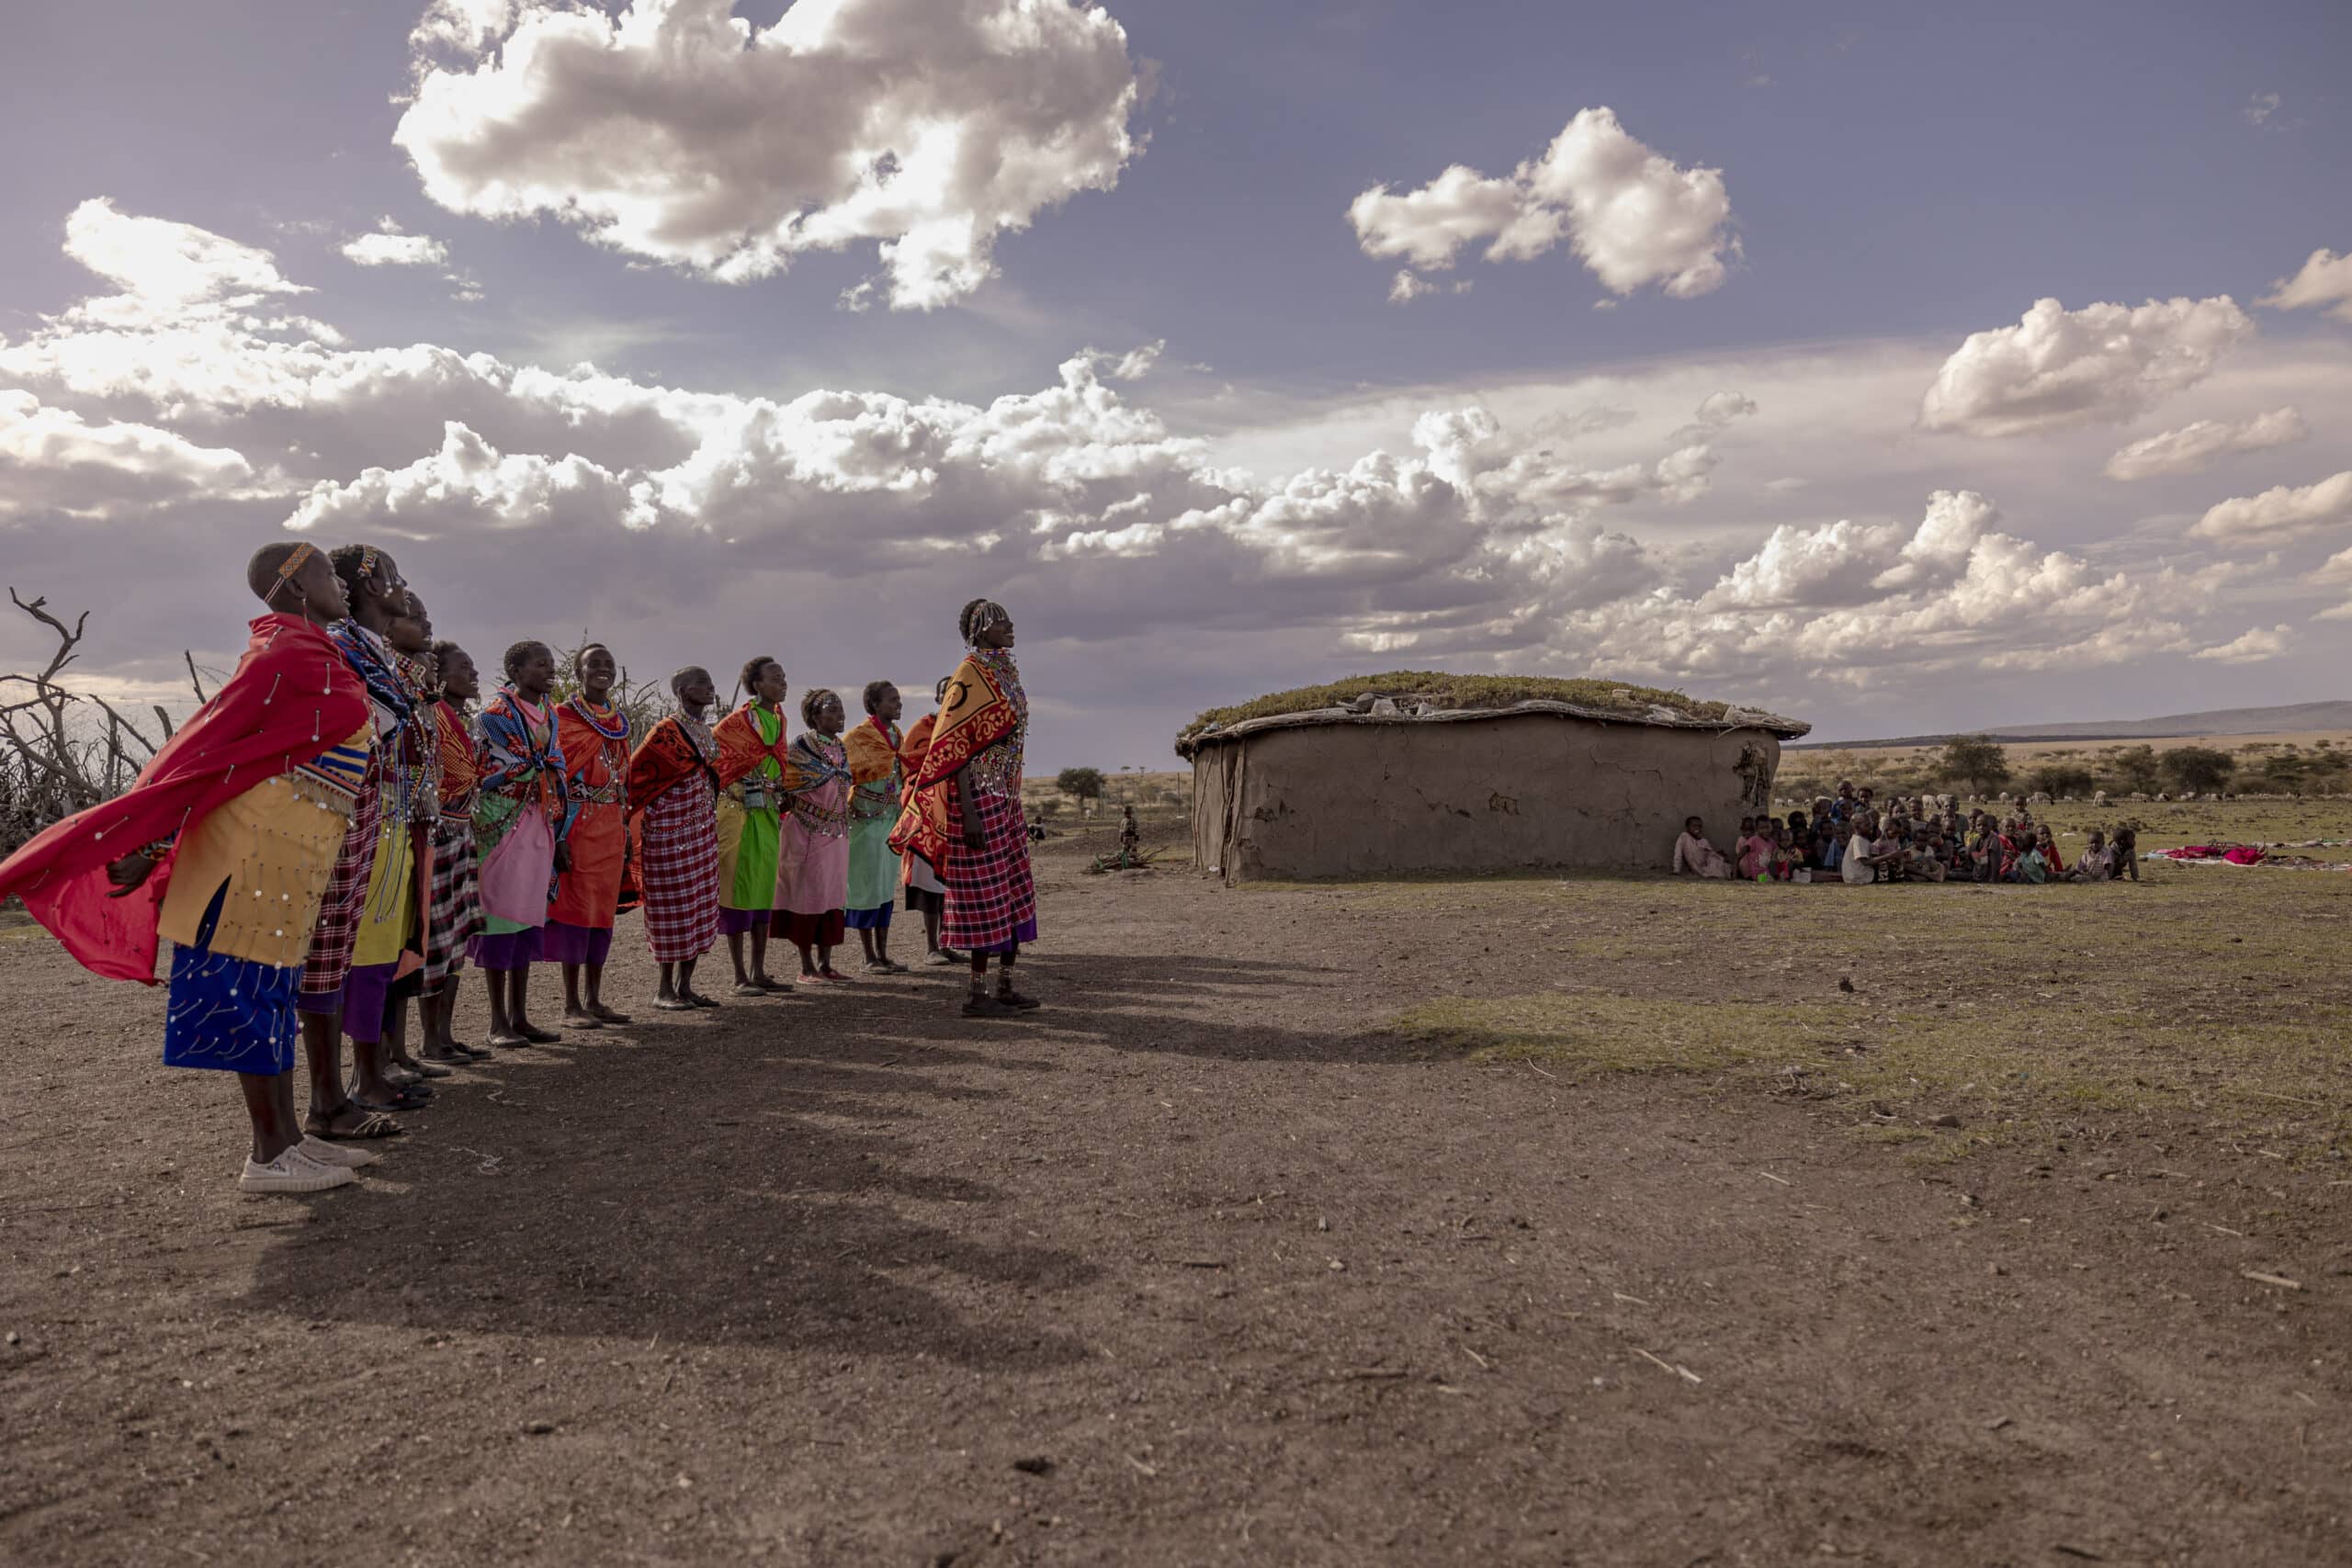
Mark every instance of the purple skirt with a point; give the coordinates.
(363, 991)
(507, 950)
(735, 922)
(561, 941)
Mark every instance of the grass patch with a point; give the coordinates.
(1459, 691)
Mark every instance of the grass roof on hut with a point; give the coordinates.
(1459, 691)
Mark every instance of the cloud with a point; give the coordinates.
(53, 460)
(678, 132)
(2325, 280)
(390, 247)
(2280, 514)
(2058, 367)
(1408, 286)
(2197, 444)
(1631, 215)
(2258, 110)
(165, 269)
(2254, 647)
(1568, 528)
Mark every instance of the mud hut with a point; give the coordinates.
(1419, 771)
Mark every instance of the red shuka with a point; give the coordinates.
(292, 697)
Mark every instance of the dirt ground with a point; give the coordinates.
(1210, 1262)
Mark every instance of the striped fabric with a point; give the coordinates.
(680, 871)
(456, 915)
(992, 898)
(339, 910)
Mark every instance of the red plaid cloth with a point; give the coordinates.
(679, 849)
(455, 914)
(338, 928)
(991, 898)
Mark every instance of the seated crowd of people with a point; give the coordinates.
(1851, 838)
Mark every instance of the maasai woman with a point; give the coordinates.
(673, 789)
(926, 895)
(453, 919)
(876, 776)
(812, 861)
(244, 811)
(411, 636)
(369, 911)
(578, 935)
(972, 827)
(751, 749)
(522, 816)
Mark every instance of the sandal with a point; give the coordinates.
(388, 1107)
(985, 1007)
(698, 999)
(1018, 1002)
(427, 1069)
(747, 990)
(538, 1036)
(371, 1127)
(673, 1004)
(477, 1053)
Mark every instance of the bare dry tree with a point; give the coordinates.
(64, 751)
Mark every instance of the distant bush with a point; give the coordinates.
(1976, 761)
(2197, 770)
(2063, 779)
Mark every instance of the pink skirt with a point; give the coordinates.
(515, 875)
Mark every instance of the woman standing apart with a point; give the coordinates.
(751, 749)
(876, 776)
(673, 789)
(812, 876)
(595, 738)
(522, 815)
(974, 762)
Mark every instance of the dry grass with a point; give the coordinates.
(1451, 691)
(2212, 1002)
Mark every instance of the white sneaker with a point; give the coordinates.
(289, 1172)
(318, 1151)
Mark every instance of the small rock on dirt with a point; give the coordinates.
(538, 1429)
(1033, 1464)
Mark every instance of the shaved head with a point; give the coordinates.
(266, 574)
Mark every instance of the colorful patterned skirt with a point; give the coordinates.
(456, 915)
(328, 962)
(992, 898)
(680, 829)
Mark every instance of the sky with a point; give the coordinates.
(1897, 368)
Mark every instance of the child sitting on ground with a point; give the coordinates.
(1694, 854)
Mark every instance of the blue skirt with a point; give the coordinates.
(230, 1014)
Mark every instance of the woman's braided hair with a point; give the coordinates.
(978, 615)
(811, 700)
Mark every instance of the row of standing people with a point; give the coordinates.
(332, 836)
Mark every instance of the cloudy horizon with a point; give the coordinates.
(1878, 371)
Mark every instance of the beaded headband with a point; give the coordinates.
(286, 573)
(366, 562)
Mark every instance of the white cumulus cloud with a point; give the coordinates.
(2197, 444)
(2256, 646)
(2324, 282)
(53, 460)
(1630, 214)
(677, 131)
(388, 246)
(2280, 514)
(2058, 367)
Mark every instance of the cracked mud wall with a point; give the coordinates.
(1525, 790)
